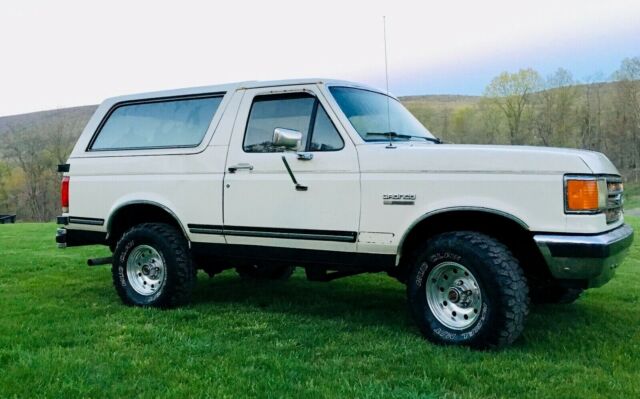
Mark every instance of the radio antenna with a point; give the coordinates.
(386, 77)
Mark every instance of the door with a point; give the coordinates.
(262, 204)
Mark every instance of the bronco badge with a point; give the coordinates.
(398, 199)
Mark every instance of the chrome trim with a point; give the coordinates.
(287, 138)
(585, 257)
(596, 178)
(615, 200)
(305, 156)
(240, 166)
(612, 201)
(398, 199)
(607, 238)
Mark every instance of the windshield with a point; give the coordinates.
(372, 114)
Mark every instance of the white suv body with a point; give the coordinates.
(351, 201)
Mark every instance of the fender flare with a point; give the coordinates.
(165, 208)
(457, 209)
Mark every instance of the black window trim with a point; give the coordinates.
(341, 86)
(151, 101)
(312, 121)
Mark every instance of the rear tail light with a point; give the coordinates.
(64, 194)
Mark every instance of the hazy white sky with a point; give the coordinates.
(63, 53)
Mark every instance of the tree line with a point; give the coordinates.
(29, 154)
(524, 108)
(519, 108)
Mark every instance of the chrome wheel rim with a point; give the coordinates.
(453, 295)
(146, 270)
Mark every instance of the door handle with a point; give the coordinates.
(305, 156)
(240, 166)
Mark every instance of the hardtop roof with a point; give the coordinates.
(236, 86)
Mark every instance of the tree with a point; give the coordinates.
(61, 135)
(590, 115)
(491, 122)
(511, 92)
(555, 112)
(627, 106)
(462, 124)
(4, 191)
(28, 149)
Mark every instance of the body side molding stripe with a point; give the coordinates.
(205, 229)
(295, 234)
(89, 221)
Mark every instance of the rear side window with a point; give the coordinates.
(181, 122)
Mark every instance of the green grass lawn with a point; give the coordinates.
(632, 196)
(64, 333)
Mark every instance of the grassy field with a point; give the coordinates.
(64, 333)
(632, 196)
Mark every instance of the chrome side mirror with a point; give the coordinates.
(287, 138)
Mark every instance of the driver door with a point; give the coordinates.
(262, 205)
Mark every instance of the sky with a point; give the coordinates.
(56, 54)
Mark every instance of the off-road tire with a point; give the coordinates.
(171, 244)
(265, 272)
(503, 287)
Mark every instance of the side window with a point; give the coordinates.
(325, 137)
(298, 111)
(269, 112)
(180, 122)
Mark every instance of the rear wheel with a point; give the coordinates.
(152, 266)
(466, 288)
(265, 272)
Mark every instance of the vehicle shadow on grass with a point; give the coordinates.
(354, 299)
(378, 302)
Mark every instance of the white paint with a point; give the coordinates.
(346, 187)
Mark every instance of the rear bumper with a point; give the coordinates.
(75, 238)
(61, 238)
(585, 257)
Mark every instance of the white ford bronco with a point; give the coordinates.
(338, 179)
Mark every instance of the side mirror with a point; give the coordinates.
(287, 138)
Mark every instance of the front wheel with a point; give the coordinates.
(152, 266)
(466, 288)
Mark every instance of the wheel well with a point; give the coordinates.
(509, 231)
(133, 214)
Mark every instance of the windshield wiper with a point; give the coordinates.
(391, 135)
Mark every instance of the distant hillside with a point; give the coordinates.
(441, 100)
(79, 116)
(423, 107)
(74, 116)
